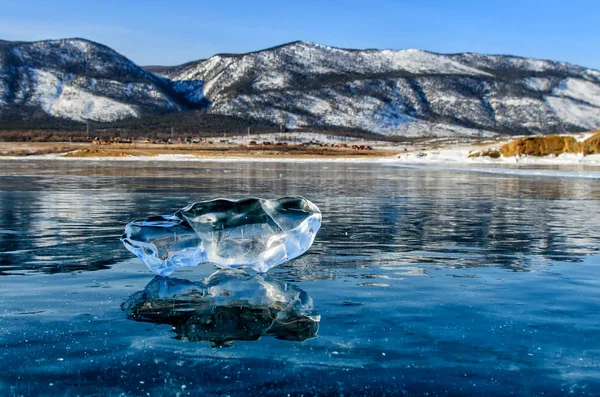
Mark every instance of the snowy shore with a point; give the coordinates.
(460, 155)
(453, 160)
(456, 156)
(433, 153)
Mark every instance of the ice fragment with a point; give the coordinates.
(253, 232)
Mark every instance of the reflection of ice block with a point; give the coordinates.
(229, 305)
(254, 233)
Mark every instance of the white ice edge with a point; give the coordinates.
(200, 159)
(456, 158)
(443, 156)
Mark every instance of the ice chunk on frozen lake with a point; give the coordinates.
(165, 243)
(254, 233)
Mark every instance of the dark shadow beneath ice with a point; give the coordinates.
(229, 305)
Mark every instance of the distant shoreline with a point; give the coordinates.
(136, 151)
(432, 151)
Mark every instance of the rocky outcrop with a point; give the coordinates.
(592, 144)
(551, 145)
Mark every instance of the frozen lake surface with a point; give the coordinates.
(421, 279)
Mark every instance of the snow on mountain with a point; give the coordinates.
(79, 80)
(60, 99)
(391, 92)
(306, 85)
(192, 90)
(574, 112)
(538, 83)
(280, 67)
(3, 92)
(579, 89)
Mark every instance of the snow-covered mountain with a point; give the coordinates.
(300, 84)
(79, 80)
(407, 92)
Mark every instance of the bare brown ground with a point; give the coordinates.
(82, 150)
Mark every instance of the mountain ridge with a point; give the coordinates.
(235, 54)
(306, 85)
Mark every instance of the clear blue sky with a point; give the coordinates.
(172, 32)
